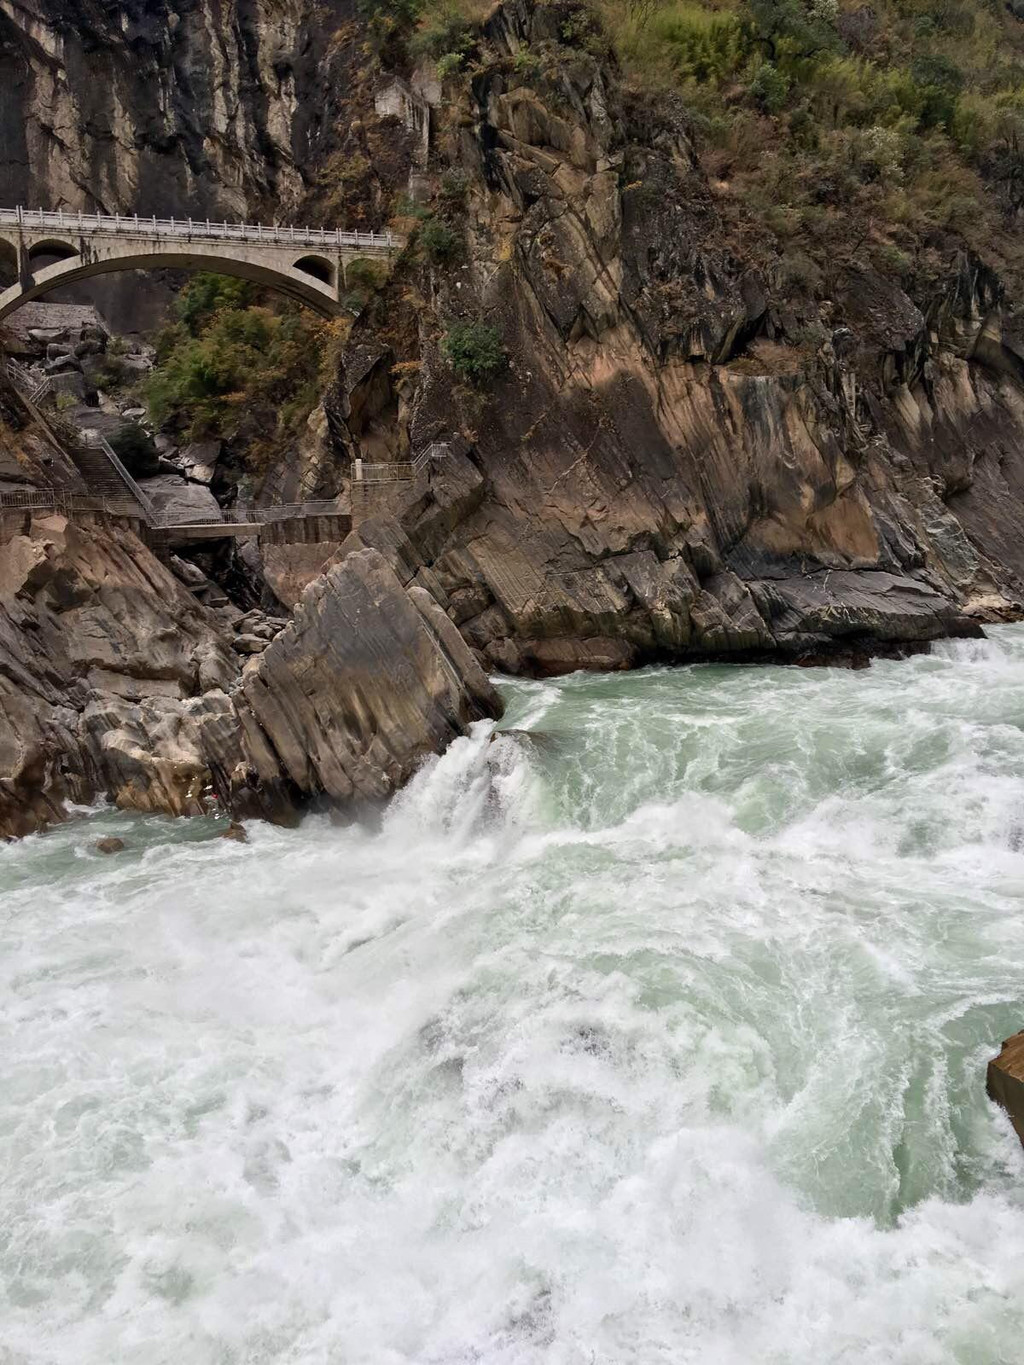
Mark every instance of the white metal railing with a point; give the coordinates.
(59, 500)
(31, 497)
(138, 503)
(399, 471)
(190, 229)
(34, 390)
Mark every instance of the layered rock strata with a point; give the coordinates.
(116, 683)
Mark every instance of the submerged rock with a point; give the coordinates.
(109, 845)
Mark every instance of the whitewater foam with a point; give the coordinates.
(658, 1037)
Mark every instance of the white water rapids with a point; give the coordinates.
(658, 1038)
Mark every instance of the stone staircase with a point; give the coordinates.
(99, 476)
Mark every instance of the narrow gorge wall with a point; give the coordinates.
(166, 108)
(686, 453)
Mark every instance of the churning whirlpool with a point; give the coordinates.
(651, 1031)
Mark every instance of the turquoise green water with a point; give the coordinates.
(654, 1034)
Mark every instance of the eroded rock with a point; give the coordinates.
(366, 681)
(1005, 1081)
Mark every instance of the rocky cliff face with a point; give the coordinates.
(686, 455)
(116, 682)
(168, 107)
(683, 456)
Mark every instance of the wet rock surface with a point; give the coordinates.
(1005, 1081)
(368, 679)
(115, 681)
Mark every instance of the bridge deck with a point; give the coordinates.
(193, 230)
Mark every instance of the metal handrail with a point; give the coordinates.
(400, 471)
(56, 499)
(257, 516)
(140, 504)
(190, 229)
(33, 390)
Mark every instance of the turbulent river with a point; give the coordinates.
(651, 1032)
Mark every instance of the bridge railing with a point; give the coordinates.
(195, 229)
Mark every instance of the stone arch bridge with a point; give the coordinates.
(45, 249)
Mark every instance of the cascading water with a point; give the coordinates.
(654, 1031)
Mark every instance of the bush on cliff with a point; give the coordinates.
(232, 367)
(474, 351)
(851, 129)
(440, 241)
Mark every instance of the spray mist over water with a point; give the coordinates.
(654, 1034)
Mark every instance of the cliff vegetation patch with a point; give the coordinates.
(234, 367)
(877, 130)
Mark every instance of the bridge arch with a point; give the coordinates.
(53, 249)
(60, 250)
(288, 280)
(318, 267)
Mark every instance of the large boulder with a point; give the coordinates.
(179, 502)
(135, 448)
(368, 679)
(199, 460)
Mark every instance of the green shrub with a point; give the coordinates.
(798, 28)
(769, 88)
(454, 189)
(366, 272)
(525, 63)
(443, 33)
(134, 447)
(450, 63)
(474, 351)
(205, 295)
(703, 45)
(387, 22)
(229, 363)
(440, 242)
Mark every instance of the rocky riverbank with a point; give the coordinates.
(1006, 1081)
(116, 682)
